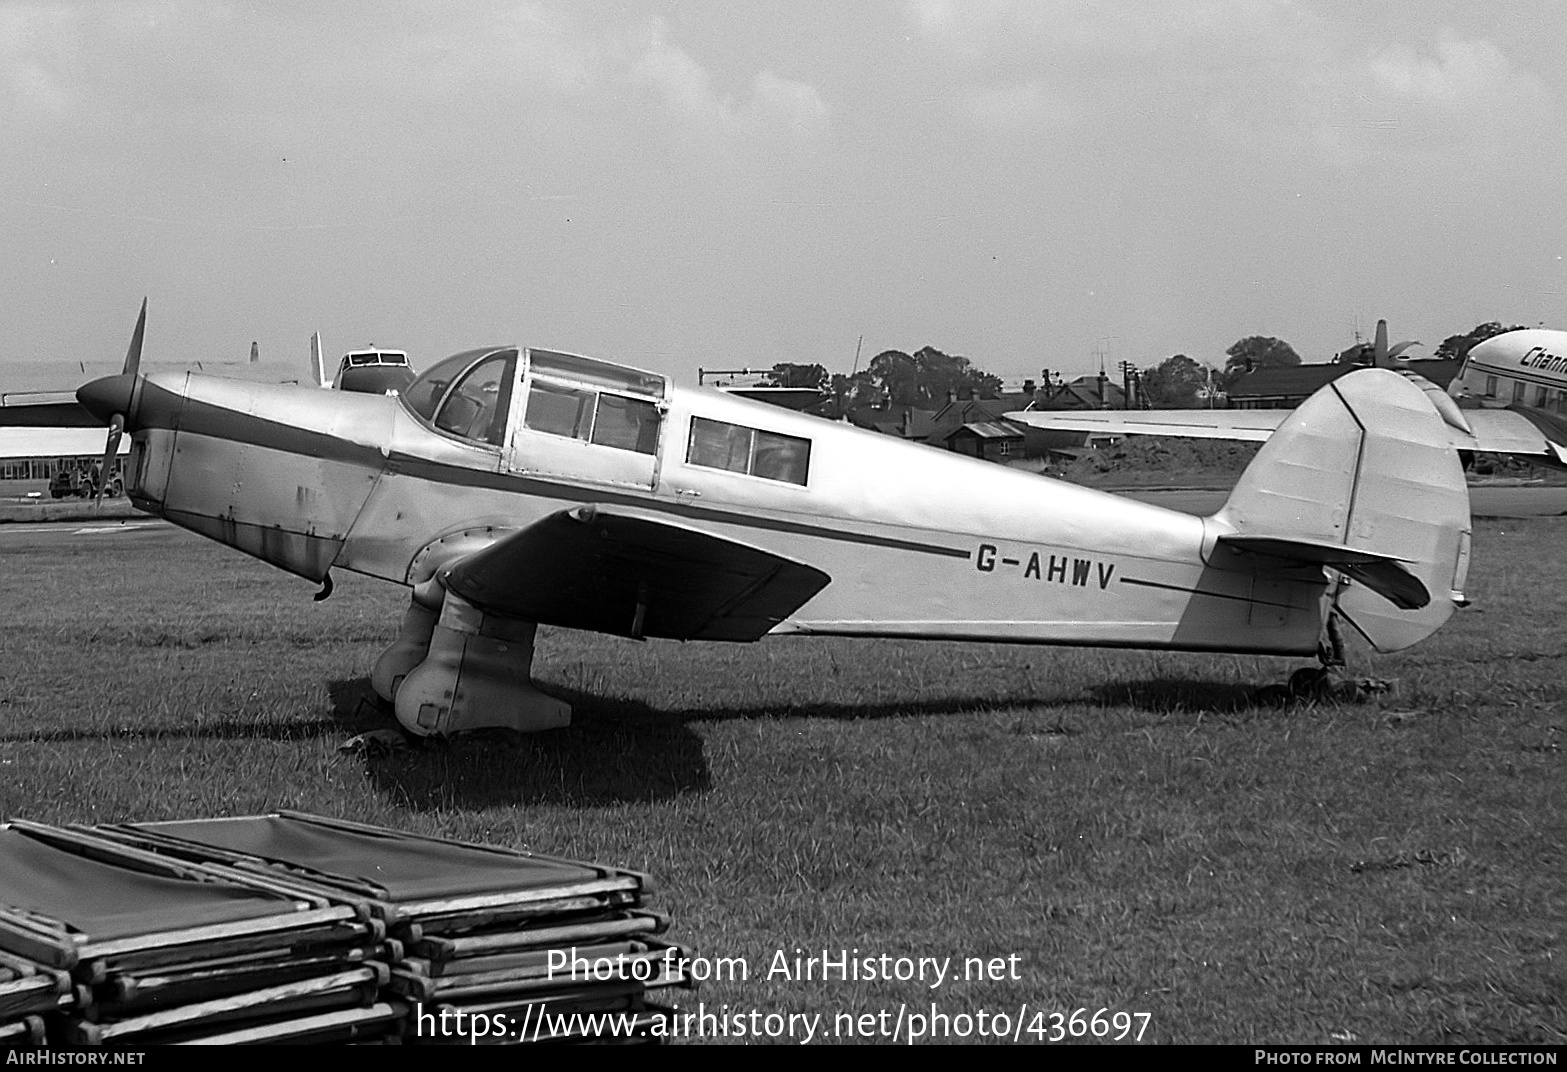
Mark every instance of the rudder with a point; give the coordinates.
(1363, 478)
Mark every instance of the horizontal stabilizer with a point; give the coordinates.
(1383, 574)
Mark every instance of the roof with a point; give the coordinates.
(906, 422)
(1300, 381)
(56, 443)
(1083, 393)
(1286, 381)
(990, 430)
(967, 409)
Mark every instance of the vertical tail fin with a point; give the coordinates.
(1363, 478)
(318, 363)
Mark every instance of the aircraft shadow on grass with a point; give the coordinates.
(620, 751)
(1181, 695)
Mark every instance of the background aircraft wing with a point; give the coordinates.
(1518, 430)
(1515, 430)
(1251, 424)
(632, 575)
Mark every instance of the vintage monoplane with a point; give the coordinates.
(509, 487)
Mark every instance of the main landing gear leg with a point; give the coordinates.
(412, 644)
(474, 673)
(1317, 682)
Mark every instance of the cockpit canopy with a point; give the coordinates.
(468, 394)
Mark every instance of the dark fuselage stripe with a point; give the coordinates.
(219, 422)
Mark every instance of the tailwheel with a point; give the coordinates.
(1312, 683)
(1309, 684)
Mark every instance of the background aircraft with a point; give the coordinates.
(1510, 397)
(509, 487)
(373, 370)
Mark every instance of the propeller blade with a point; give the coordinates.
(133, 355)
(111, 446)
(111, 450)
(1379, 354)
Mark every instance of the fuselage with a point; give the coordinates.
(1520, 368)
(918, 542)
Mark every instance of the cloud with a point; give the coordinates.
(1272, 75)
(686, 91)
(40, 49)
(1469, 81)
(1023, 65)
(1424, 102)
(266, 73)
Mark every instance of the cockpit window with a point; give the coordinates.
(467, 395)
(560, 410)
(594, 401)
(476, 408)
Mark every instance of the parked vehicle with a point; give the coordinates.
(70, 481)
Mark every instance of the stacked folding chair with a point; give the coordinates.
(142, 949)
(27, 991)
(494, 945)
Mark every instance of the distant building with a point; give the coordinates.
(1287, 386)
(1085, 392)
(991, 441)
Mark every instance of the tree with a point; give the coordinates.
(1458, 346)
(896, 374)
(787, 374)
(928, 377)
(846, 392)
(1258, 351)
(1174, 383)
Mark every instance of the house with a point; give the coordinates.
(1085, 392)
(991, 441)
(1287, 386)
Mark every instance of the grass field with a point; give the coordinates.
(1128, 826)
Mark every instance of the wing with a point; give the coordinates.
(1515, 430)
(1250, 424)
(631, 575)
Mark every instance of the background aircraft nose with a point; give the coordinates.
(105, 397)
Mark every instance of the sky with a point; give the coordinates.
(712, 184)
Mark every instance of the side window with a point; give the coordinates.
(558, 410)
(1518, 388)
(738, 449)
(476, 407)
(781, 457)
(1490, 387)
(717, 445)
(626, 423)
